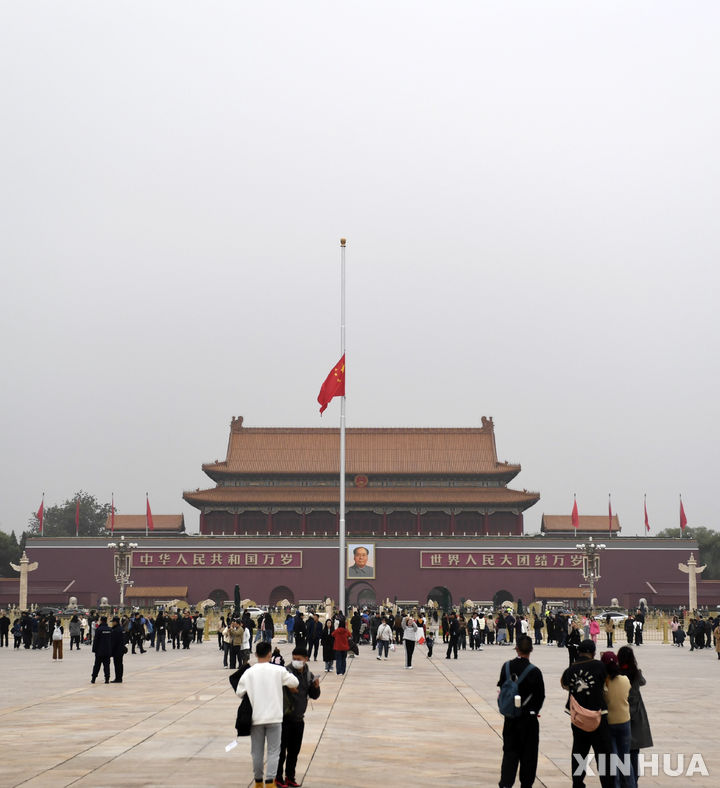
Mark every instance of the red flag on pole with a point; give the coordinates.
(647, 522)
(575, 515)
(683, 519)
(112, 514)
(148, 515)
(334, 385)
(77, 517)
(41, 513)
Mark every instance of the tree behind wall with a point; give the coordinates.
(708, 548)
(9, 551)
(60, 520)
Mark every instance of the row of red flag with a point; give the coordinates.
(148, 515)
(576, 517)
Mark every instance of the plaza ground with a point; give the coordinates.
(169, 723)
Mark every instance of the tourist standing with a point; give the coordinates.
(119, 650)
(57, 640)
(293, 724)
(328, 645)
(75, 632)
(453, 634)
(640, 734)
(594, 630)
(263, 683)
(433, 627)
(410, 634)
(521, 734)
(609, 627)
(200, 627)
(160, 631)
(236, 634)
(617, 690)
(585, 680)
(314, 633)
(102, 648)
(4, 630)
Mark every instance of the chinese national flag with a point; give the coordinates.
(683, 519)
(575, 515)
(148, 515)
(334, 385)
(647, 522)
(40, 515)
(77, 517)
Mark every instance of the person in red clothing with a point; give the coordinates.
(340, 637)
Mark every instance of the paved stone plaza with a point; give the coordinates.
(437, 725)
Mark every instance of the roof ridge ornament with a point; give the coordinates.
(236, 424)
(487, 423)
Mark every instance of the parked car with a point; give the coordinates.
(616, 617)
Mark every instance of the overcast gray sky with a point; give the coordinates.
(530, 195)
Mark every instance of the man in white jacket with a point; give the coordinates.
(264, 684)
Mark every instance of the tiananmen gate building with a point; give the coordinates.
(429, 512)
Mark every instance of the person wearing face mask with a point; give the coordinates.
(293, 724)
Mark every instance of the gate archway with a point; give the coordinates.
(441, 596)
(279, 593)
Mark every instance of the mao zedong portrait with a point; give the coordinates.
(359, 567)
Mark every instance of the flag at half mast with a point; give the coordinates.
(334, 385)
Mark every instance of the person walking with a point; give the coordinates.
(453, 634)
(314, 633)
(160, 631)
(137, 633)
(640, 733)
(293, 724)
(410, 634)
(521, 733)
(102, 648)
(383, 636)
(341, 645)
(4, 630)
(263, 683)
(594, 630)
(573, 642)
(200, 628)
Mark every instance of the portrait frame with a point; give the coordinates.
(353, 573)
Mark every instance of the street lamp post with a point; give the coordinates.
(122, 564)
(591, 565)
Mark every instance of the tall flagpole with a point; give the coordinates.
(342, 549)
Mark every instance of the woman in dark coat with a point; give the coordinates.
(640, 734)
(328, 645)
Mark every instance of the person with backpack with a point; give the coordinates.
(522, 693)
(57, 640)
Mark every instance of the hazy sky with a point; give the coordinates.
(530, 194)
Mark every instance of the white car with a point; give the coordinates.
(617, 618)
(254, 612)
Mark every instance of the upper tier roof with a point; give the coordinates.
(415, 451)
(359, 496)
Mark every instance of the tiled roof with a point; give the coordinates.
(369, 451)
(157, 592)
(544, 592)
(136, 522)
(362, 495)
(586, 523)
